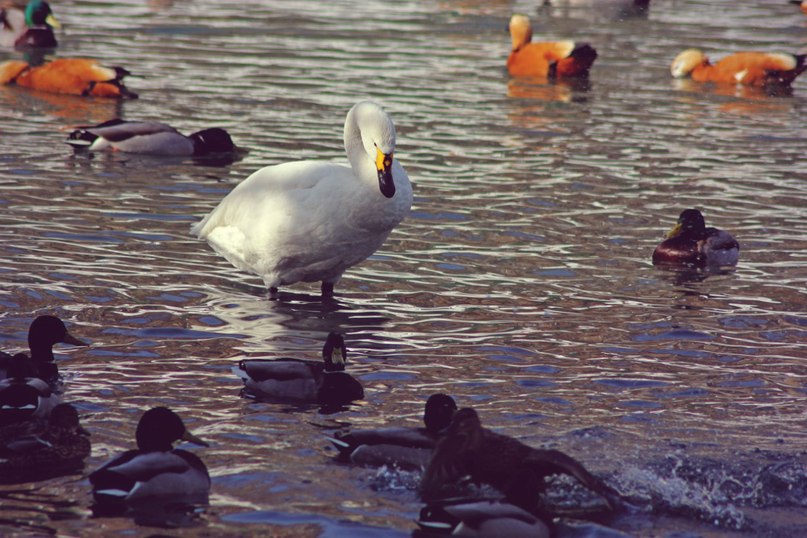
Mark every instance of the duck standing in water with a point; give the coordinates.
(405, 448)
(155, 471)
(309, 221)
(691, 243)
(28, 28)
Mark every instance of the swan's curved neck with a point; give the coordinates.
(354, 147)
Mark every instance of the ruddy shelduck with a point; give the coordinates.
(547, 59)
(76, 76)
(748, 68)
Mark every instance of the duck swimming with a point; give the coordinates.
(76, 76)
(44, 332)
(149, 137)
(296, 380)
(480, 518)
(309, 221)
(691, 243)
(50, 448)
(555, 59)
(28, 28)
(155, 470)
(748, 68)
(405, 448)
(24, 397)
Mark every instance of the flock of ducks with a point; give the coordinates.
(41, 437)
(309, 221)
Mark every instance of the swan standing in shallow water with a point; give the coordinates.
(308, 221)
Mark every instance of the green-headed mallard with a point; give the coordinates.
(155, 471)
(28, 28)
(296, 380)
(691, 243)
(44, 332)
(149, 137)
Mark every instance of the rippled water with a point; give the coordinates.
(521, 283)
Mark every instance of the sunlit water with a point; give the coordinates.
(521, 283)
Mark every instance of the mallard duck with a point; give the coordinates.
(406, 448)
(548, 59)
(44, 332)
(149, 137)
(747, 68)
(50, 448)
(311, 220)
(76, 76)
(155, 470)
(29, 28)
(23, 397)
(691, 243)
(296, 380)
(515, 469)
(480, 518)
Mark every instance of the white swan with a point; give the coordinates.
(309, 220)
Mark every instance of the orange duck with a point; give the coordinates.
(802, 4)
(748, 68)
(76, 76)
(549, 59)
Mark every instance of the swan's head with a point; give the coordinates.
(686, 62)
(378, 139)
(520, 30)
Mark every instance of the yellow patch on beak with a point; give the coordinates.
(382, 161)
(675, 232)
(51, 20)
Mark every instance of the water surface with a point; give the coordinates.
(521, 283)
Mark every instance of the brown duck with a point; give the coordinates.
(515, 469)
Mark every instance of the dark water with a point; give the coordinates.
(521, 283)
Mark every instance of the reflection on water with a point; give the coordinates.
(521, 284)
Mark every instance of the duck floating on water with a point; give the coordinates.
(405, 448)
(479, 518)
(302, 381)
(761, 69)
(309, 221)
(691, 243)
(75, 76)
(44, 332)
(554, 59)
(155, 471)
(149, 137)
(45, 449)
(28, 28)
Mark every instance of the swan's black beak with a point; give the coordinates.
(383, 163)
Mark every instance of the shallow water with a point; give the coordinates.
(521, 283)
